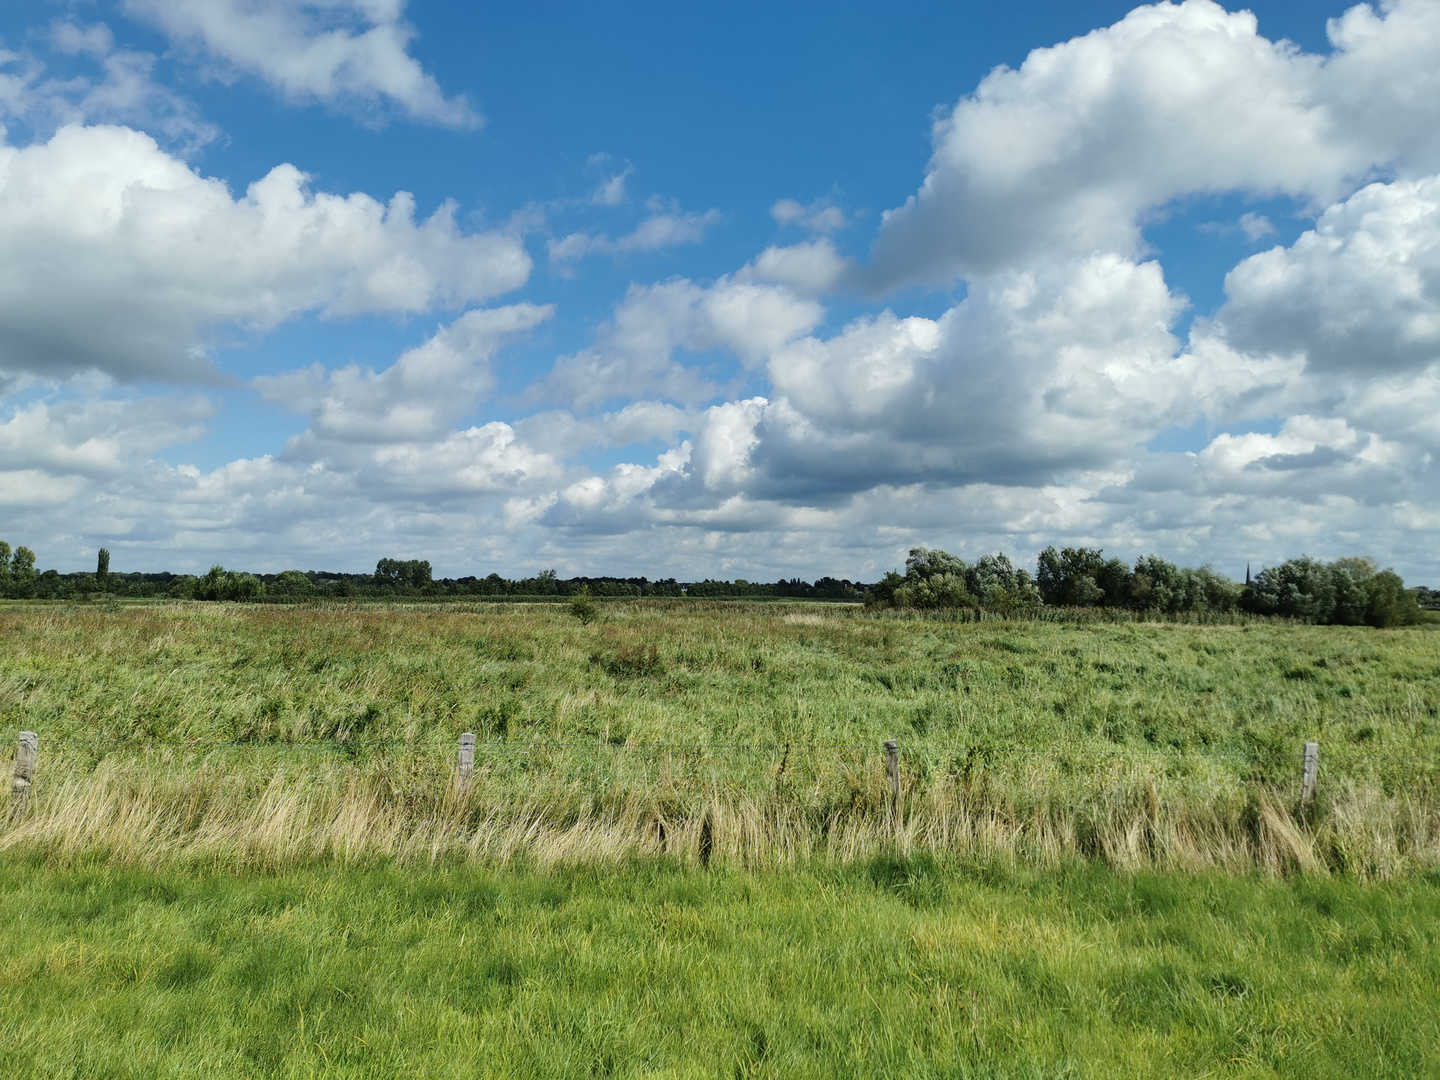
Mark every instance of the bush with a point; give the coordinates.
(937, 579)
(1389, 603)
(293, 583)
(938, 591)
(584, 608)
(221, 584)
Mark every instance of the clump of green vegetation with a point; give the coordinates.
(1347, 592)
(583, 607)
(221, 584)
(892, 967)
(937, 579)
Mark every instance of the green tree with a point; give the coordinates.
(403, 574)
(998, 586)
(210, 585)
(925, 563)
(221, 584)
(1300, 588)
(935, 591)
(293, 583)
(936, 579)
(1388, 602)
(1067, 578)
(1350, 592)
(22, 564)
(882, 593)
(102, 571)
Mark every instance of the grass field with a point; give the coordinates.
(246, 853)
(891, 968)
(750, 734)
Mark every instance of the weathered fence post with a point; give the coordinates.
(465, 765)
(1311, 776)
(892, 767)
(25, 755)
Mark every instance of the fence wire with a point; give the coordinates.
(972, 754)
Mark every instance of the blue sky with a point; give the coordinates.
(717, 289)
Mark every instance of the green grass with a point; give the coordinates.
(693, 673)
(912, 968)
(246, 854)
(186, 728)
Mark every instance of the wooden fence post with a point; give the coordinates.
(892, 766)
(465, 765)
(1311, 776)
(25, 755)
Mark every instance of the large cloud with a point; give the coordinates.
(1034, 374)
(420, 396)
(1359, 293)
(116, 256)
(351, 54)
(1067, 153)
(97, 440)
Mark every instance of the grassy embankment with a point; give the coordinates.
(740, 735)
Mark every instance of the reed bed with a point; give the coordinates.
(143, 813)
(741, 735)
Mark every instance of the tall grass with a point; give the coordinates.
(718, 734)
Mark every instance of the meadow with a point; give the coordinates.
(247, 851)
(745, 733)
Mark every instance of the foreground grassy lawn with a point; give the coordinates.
(892, 968)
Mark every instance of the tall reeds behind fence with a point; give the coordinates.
(741, 805)
(738, 734)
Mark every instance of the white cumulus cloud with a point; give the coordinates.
(116, 256)
(634, 355)
(420, 396)
(351, 54)
(666, 226)
(120, 87)
(1065, 154)
(1359, 293)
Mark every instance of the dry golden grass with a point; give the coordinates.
(150, 814)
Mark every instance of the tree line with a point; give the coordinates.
(1348, 591)
(1351, 591)
(393, 578)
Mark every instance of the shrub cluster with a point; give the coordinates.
(1083, 577)
(1350, 591)
(221, 584)
(937, 579)
(1346, 592)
